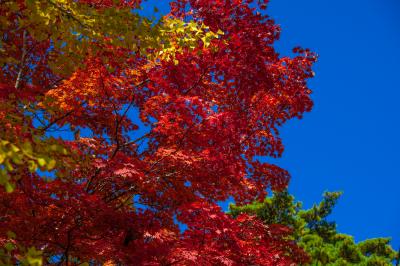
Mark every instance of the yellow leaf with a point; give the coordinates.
(51, 164)
(41, 161)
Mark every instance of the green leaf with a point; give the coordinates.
(32, 166)
(9, 246)
(27, 147)
(8, 165)
(17, 159)
(9, 187)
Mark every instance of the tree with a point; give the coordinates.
(211, 92)
(315, 234)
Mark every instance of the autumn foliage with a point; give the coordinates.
(116, 130)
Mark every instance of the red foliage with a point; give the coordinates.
(214, 238)
(209, 117)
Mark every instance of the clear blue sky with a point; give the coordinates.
(351, 139)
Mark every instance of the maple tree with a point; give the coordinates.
(161, 120)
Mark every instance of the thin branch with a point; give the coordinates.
(68, 14)
(119, 146)
(55, 121)
(136, 140)
(119, 121)
(196, 83)
(22, 63)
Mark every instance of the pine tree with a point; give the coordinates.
(318, 236)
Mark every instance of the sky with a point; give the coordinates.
(350, 141)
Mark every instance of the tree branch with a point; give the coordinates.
(22, 63)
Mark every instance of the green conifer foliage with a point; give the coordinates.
(316, 235)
